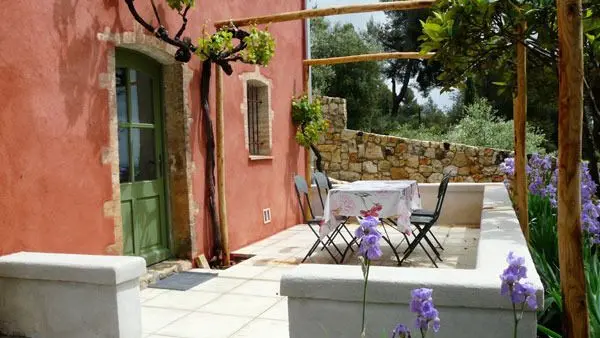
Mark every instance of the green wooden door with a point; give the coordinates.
(143, 197)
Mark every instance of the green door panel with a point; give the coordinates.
(126, 213)
(145, 222)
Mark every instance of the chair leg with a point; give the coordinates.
(429, 242)
(436, 240)
(413, 245)
(351, 236)
(310, 252)
(392, 247)
(331, 237)
(319, 240)
(428, 255)
(354, 240)
(405, 239)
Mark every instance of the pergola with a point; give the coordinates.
(570, 37)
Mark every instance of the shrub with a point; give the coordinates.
(479, 127)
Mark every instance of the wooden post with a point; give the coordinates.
(520, 118)
(319, 12)
(570, 116)
(221, 167)
(368, 57)
(307, 155)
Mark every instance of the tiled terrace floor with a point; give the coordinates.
(244, 300)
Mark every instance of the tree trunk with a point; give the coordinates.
(319, 160)
(395, 103)
(398, 98)
(405, 81)
(210, 158)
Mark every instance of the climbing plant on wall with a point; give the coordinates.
(308, 117)
(254, 46)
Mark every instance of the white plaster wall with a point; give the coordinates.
(325, 300)
(462, 204)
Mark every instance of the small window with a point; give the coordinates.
(258, 119)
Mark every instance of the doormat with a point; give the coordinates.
(182, 281)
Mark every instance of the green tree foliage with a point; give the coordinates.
(479, 126)
(400, 33)
(308, 117)
(260, 46)
(359, 83)
(178, 5)
(476, 40)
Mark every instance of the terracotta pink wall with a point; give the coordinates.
(54, 125)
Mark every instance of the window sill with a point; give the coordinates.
(260, 157)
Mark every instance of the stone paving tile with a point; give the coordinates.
(219, 284)
(239, 305)
(154, 319)
(243, 301)
(149, 293)
(243, 271)
(279, 311)
(261, 328)
(275, 273)
(258, 288)
(182, 300)
(205, 325)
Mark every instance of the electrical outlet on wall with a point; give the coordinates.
(267, 215)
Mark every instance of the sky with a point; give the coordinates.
(359, 21)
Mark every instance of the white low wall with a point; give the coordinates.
(70, 296)
(462, 204)
(325, 300)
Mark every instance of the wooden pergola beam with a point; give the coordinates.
(367, 57)
(313, 13)
(570, 120)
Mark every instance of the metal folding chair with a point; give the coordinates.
(302, 193)
(423, 224)
(429, 213)
(323, 185)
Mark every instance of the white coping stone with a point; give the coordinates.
(315, 289)
(93, 269)
(70, 296)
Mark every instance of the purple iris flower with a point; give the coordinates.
(401, 331)
(422, 304)
(543, 181)
(368, 237)
(519, 291)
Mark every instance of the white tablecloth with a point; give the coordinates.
(381, 199)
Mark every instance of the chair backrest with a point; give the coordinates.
(441, 195)
(322, 184)
(302, 194)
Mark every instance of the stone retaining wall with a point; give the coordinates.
(352, 155)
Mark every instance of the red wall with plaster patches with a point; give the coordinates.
(54, 125)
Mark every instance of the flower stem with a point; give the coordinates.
(423, 333)
(364, 304)
(516, 320)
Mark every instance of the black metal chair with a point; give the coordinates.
(430, 213)
(323, 186)
(424, 222)
(302, 193)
